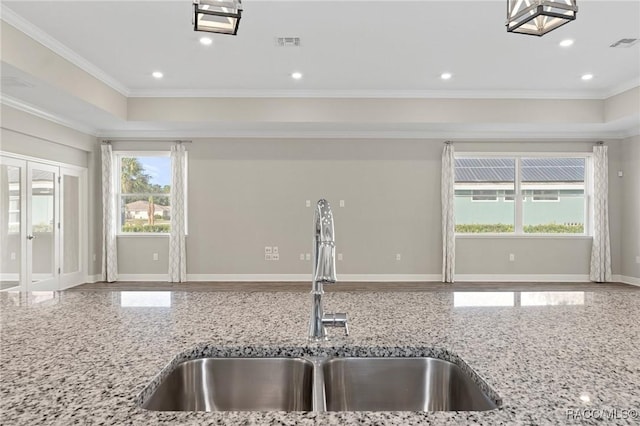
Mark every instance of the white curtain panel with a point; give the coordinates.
(601, 249)
(177, 246)
(109, 244)
(448, 218)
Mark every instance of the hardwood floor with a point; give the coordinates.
(349, 286)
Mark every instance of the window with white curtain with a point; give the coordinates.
(143, 182)
(523, 194)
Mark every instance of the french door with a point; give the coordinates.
(42, 225)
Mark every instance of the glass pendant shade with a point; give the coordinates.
(538, 17)
(217, 16)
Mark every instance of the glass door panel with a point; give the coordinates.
(11, 220)
(42, 229)
(72, 228)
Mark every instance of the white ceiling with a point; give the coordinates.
(386, 48)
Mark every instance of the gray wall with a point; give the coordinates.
(28, 135)
(247, 194)
(630, 165)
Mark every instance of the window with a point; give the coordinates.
(557, 188)
(144, 182)
(482, 179)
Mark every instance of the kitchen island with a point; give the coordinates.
(553, 357)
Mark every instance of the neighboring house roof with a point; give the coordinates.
(533, 170)
(143, 206)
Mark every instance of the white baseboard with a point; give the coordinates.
(143, 277)
(280, 277)
(307, 277)
(540, 278)
(578, 278)
(629, 280)
(249, 277)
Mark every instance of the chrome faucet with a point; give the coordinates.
(324, 272)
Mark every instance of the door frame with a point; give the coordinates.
(23, 162)
(72, 279)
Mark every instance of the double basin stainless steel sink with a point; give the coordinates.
(318, 384)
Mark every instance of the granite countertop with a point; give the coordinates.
(83, 357)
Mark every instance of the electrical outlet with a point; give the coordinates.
(155, 256)
(339, 256)
(512, 257)
(268, 250)
(13, 255)
(301, 256)
(398, 256)
(307, 203)
(341, 203)
(307, 256)
(275, 250)
(275, 256)
(267, 256)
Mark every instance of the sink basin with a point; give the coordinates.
(318, 384)
(236, 384)
(400, 384)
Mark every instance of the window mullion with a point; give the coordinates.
(518, 198)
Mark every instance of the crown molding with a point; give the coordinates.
(623, 87)
(17, 21)
(368, 94)
(320, 134)
(38, 112)
(476, 134)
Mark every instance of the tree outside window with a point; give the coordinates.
(145, 193)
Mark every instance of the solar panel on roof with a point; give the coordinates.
(532, 169)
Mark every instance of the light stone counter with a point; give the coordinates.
(83, 357)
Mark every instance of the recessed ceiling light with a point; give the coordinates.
(206, 41)
(157, 74)
(584, 397)
(587, 77)
(566, 43)
(296, 75)
(446, 75)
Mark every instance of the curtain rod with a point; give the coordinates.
(140, 140)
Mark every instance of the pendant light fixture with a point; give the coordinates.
(538, 17)
(217, 16)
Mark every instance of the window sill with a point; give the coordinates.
(526, 236)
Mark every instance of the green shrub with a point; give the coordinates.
(477, 228)
(497, 228)
(134, 227)
(554, 228)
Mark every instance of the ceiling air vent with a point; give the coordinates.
(10, 81)
(288, 41)
(625, 42)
